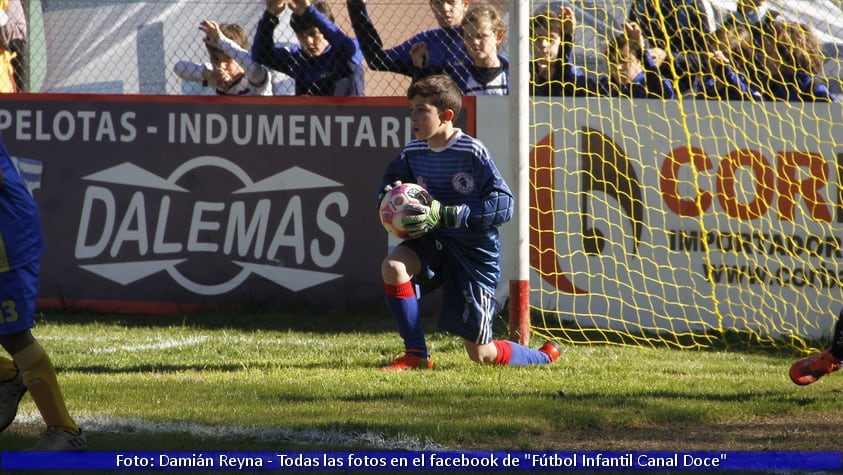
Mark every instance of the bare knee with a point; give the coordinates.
(394, 271)
(400, 265)
(484, 354)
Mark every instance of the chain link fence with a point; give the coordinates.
(119, 47)
(122, 47)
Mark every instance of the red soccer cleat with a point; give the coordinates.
(405, 361)
(551, 349)
(811, 368)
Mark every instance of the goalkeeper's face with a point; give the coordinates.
(426, 119)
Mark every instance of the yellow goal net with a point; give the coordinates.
(685, 172)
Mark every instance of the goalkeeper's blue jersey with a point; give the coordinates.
(462, 173)
(21, 237)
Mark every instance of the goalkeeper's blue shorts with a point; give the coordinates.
(468, 299)
(18, 291)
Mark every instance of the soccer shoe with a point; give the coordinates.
(404, 361)
(551, 349)
(55, 440)
(11, 392)
(811, 368)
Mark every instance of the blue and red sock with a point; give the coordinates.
(403, 305)
(513, 354)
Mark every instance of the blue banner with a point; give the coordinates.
(427, 461)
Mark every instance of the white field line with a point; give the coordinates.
(160, 345)
(114, 425)
(305, 437)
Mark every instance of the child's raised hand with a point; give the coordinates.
(298, 6)
(633, 32)
(419, 54)
(275, 7)
(211, 30)
(568, 21)
(718, 57)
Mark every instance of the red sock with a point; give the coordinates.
(403, 290)
(504, 352)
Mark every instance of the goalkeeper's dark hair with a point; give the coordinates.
(302, 23)
(440, 90)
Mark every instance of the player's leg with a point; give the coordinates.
(12, 320)
(509, 353)
(462, 297)
(39, 377)
(811, 368)
(397, 271)
(18, 289)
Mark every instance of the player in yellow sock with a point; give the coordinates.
(30, 369)
(39, 377)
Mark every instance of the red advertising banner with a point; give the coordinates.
(162, 203)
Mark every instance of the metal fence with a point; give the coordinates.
(131, 47)
(121, 47)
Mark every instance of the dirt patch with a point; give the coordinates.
(792, 432)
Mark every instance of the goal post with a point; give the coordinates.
(519, 149)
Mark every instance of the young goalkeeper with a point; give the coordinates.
(455, 242)
(21, 245)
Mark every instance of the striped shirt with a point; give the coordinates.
(461, 173)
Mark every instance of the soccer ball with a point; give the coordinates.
(393, 207)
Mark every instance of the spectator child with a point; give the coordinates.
(553, 72)
(546, 33)
(792, 64)
(633, 70)
(232, 72)
(444, 45)
(326, 62)
(456, 245)
(13, 38)
(483, 31)
(681, 29)
(718, 78)
(756, 15)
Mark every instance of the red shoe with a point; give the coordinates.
(551, 349)
(404, 361)
(811, 368)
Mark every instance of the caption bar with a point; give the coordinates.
(439, 461)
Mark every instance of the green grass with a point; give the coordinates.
(261, 381)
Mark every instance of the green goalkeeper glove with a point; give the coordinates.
(432, 216)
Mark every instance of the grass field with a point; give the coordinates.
(308, 381)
